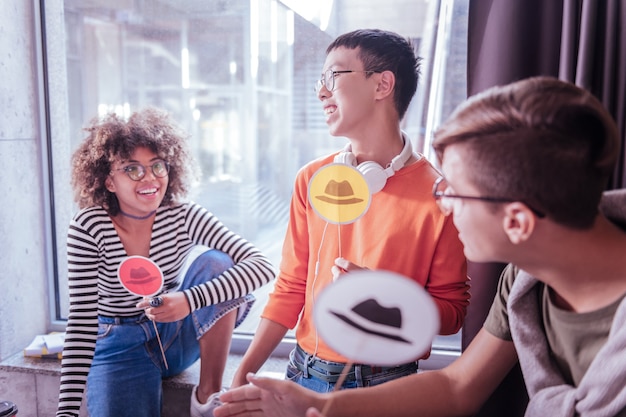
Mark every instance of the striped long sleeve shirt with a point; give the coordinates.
(94, 252)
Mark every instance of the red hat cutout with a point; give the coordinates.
(140, 276)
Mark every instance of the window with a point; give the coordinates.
(238, 76)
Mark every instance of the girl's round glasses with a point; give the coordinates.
(136, 172)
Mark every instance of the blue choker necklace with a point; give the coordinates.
(132, 216)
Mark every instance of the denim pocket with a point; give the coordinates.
(104, 329)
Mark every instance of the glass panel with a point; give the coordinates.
(238, 75)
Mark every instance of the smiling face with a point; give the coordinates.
(141, 197)
(349, 106)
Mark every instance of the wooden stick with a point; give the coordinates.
(338, 384)
(158, 339)
(160, 345)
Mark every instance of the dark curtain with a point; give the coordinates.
(582, 41)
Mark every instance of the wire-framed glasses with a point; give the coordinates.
(328, 79)
(445, 199)
(136, 172)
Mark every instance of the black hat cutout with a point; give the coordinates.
(373, 312)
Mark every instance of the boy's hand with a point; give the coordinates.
(343, 266)
(267, 397)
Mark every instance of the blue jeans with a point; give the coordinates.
(321, 375)
(125, 376)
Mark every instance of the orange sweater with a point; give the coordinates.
(402, 231)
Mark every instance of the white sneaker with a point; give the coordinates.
(206, 409)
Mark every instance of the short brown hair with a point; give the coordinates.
(542, 141)
(113, 138)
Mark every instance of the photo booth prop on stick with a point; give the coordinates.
(141, 276)
(377, 318)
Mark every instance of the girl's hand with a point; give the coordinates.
(173, 307)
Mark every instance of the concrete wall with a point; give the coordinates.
(24, 302)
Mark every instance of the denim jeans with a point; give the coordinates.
(321, 375)
(125, 376)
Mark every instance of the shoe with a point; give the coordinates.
(206, 409)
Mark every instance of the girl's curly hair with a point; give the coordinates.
(112, 138)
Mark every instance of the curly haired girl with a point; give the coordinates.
(131, 179)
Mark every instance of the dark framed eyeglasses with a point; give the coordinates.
(136, 172)
(328, 79)
(445, 199)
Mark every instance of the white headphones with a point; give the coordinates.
(375, 175)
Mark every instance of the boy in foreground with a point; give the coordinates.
(525, 166)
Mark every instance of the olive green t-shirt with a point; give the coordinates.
(574, 338)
